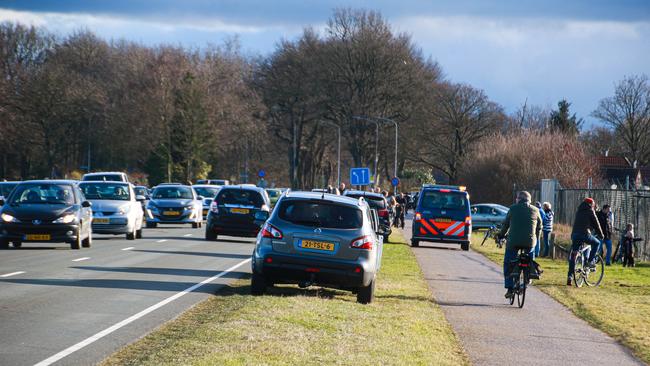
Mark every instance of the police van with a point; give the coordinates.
(442, 215)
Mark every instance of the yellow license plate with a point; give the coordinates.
(318, 245)
(239, 210)
(171, 213)
(38, 237)
(443, 220)
(101, 221)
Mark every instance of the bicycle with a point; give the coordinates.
(493, 232)
(583, 272)
(520, 273)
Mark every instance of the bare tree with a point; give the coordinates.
(628, 112)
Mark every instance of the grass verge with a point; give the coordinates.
(620, 306)
(292, 326)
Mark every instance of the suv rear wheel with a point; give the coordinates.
(258, 284)
(366, 294)
(210, 235)
(464, 246)
(415, 243)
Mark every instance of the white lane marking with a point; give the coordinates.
(129, 248)
(81, 259)
(161, 241)
(52, 359)
(187, 235)
(12, 274)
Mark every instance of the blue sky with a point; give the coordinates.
(541, 51)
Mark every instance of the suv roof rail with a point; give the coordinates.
(443, 186)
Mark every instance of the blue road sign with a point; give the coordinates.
(360, 176)
(394, 181)
(261, 173)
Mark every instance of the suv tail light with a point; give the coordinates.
(382, 213)
(270, 231)
(418, 216)
(364, 242)
(214, 207)
(468, 220)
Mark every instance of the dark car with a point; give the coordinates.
(378, 202)
(46, 211)
(232, 212)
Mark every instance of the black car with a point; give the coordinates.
(232, 212)
(378, 202)
(46, 211)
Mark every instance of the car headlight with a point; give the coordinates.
(65, 219)
(152, 207)
(189, 207)
(8, 218)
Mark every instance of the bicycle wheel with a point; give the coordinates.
(595, 276)
(521, 292)
(515, 286)
(578, 270)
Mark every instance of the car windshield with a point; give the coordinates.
(321, 214)
(105, 177)
(140, 191)
(242, 197)
(374, 202)
(105, 191)
(173, 193)
(443, 200)
(207, 192)
(6, 188)
(43, 193)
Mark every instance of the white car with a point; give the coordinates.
(208, 192)
(116, 208)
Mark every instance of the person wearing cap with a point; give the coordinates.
(585, 226)
(522, 225)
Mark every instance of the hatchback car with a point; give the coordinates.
(233, 210)
(208, 192)
(174, 204)
(378, 202)
(106, 176)
(318, 239)
(486, 215)
(116, 208)
(46, 211)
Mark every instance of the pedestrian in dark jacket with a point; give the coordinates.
(606, 225)
(585, 225)
(547, 227)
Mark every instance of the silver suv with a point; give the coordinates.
(318, 239)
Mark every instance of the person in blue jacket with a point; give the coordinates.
(541, 213)
(547, 227)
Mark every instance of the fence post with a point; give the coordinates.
(551, 244)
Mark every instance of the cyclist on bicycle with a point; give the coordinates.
(585, 226)
(523, 225)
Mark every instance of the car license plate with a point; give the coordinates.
(443, 220)
(239, 210)
(38, 237)
(318, 245)
(171, 213)
(101, 221)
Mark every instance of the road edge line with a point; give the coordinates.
(76, 347)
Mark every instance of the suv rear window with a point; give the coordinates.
(242, 197)
(320, 214)
(443, 200)
(378, 203)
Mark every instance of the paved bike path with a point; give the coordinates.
(469, 289)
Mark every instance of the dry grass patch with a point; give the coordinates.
(292, 326)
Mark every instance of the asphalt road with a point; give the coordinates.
(76, 307)
(469, 289)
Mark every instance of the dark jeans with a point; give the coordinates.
(577, 240)
(509, 256)
(547, 242)
(608, 255)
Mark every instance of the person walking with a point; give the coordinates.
(628, 246)
(547, 228)
(606, 225)
(522, 225)
(539, 239)
(401, 208)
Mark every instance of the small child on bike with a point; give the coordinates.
(628, 246)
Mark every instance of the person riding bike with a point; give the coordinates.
(585, 226)
(523, 225)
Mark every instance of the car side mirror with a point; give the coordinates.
(261, 217)
(86, 204)
(140, 198)
(200, 198)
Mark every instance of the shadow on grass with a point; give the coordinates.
(243, 288)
